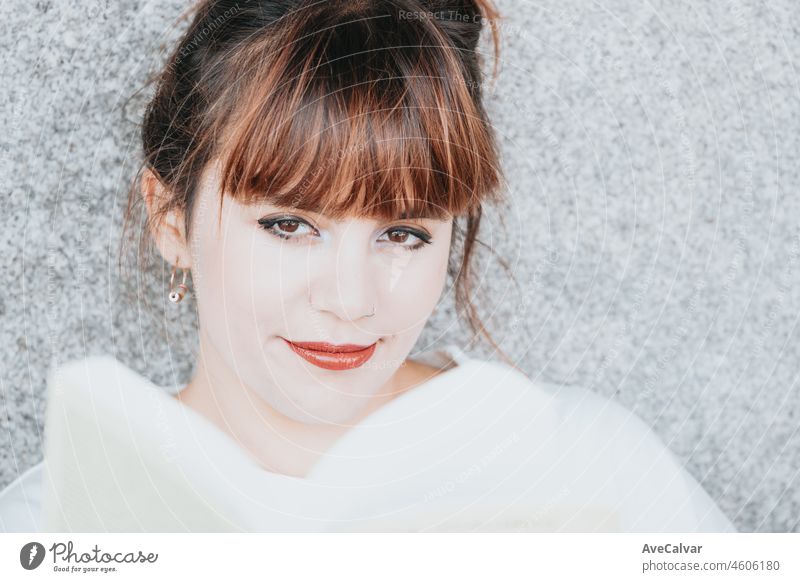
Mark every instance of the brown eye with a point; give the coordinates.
(398, 236)
(288, 225)
(288, 228)
(404, 238)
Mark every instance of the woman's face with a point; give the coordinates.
(266, 276)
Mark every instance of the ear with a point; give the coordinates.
(168, 232)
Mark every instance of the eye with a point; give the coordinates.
(295, 228)
(287, 227)
(407, 238)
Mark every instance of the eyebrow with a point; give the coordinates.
(418, 214)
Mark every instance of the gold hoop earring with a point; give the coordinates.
(176, 294)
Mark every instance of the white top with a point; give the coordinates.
(586, 461)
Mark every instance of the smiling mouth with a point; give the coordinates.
(332, 356)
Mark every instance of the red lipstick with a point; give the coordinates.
(332, 356)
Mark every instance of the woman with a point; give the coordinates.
(311, 164)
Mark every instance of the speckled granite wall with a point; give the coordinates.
(651, 156)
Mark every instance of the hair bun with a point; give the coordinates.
(463, 20)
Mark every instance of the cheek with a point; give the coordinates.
(243, 282)
(413, 289)
(277, 280)
(267, 280)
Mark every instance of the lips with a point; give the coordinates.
(331, 356)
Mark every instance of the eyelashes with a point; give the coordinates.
(293, 228)
(294, 224)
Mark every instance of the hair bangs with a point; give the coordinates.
(368, 115)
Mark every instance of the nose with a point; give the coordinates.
(344, 285)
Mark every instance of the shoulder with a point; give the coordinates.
(21, 500)
(488, 388)
(578, 405)
(606, 428)
(656, 489)
(568, 406)
(575, 412)
(600, 448)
